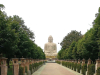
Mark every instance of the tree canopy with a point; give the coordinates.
(86, 46)
(16, 38)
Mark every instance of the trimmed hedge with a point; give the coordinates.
(91, 69)
(75, 66)
(78, 67)
(21, 69)
(30, 68)
(25, 69)
(72, 65)
(35, 65)
(98, 71)
(58, 62)
(84, 69)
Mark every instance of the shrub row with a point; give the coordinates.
(91, 69)
(78, 67)
(58, 62)
(84, 69)
(21, 69)
(31, 66)
(74, 66)
(98, 71)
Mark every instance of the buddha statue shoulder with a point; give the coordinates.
(50, 48)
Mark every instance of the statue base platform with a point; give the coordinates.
(52, 61)
(51, 58)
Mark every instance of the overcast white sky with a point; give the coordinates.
(53, 17)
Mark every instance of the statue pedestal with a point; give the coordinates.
(50, 49)
(50, 58)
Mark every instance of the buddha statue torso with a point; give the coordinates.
(50, 48)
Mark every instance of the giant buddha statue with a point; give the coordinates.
(50, 48)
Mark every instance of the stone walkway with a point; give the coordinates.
(55, 69)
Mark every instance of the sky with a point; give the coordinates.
(53, 17)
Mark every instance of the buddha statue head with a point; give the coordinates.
(50, 39)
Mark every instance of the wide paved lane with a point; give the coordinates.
(55, 69)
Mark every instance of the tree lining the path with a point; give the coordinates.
(16, 38)
(87, 45)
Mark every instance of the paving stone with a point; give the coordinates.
(55, 69)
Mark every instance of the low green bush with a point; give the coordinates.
(33, 66)
(78, 67)
(10, 71)
(68, 64)
(72, 65)
(30, 68)
(25, 69)
(91, 69)
(63, 63)
(21, 69)
(58, 62)
(98, 71)
(75, 66)
(84, 69)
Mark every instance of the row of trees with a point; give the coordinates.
(16, 38)
(83, 46)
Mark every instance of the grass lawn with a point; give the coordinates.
(10, 70)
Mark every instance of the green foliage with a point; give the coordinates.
(91, 69)
(84, 69)
(10, 71)
(25, 69)
(21, 69)
(87, 47)
(99, 54)
(78, 67)
(76, 46)
(58, 62)
(68, 44)
(30, 68)
(35, 66)
(69, 51)
(16, 38)
(8, 36)
(60, 54)
(72, 65)
(69, 38)
(2, 6)
(99, 9)
(98, 71)
(75, 66)
(63, 63)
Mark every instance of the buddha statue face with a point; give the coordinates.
(50, 39)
